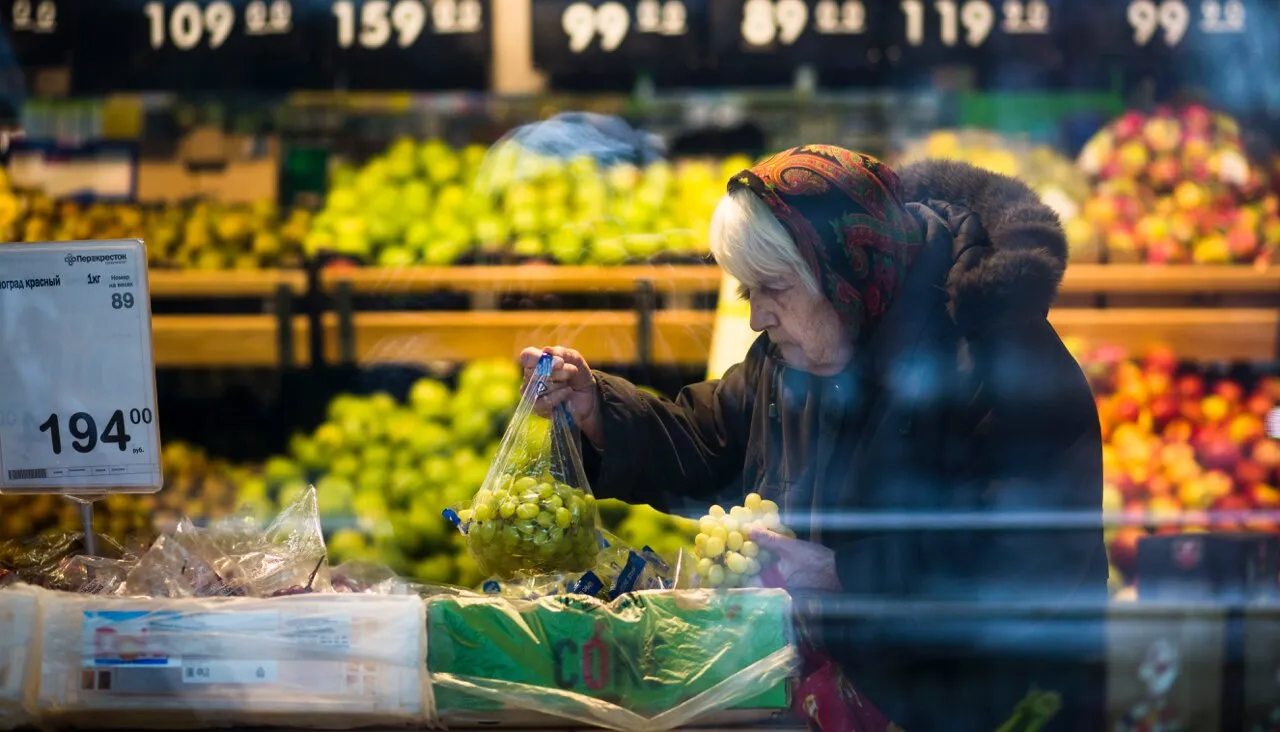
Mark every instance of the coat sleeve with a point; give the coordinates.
(688, 447)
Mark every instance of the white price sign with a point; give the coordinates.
(77, 376)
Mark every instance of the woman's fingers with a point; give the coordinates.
(567, 365)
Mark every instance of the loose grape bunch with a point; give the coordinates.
(523, 524)
(726, 555)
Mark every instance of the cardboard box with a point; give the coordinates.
(17, 663)
(1262, 669)
(689, 656)
(308, 660)
(215, 165)
(1165, 665)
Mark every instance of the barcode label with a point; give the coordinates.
(28, 474)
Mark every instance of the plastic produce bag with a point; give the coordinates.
(17, 661)
(534, 514)
(647, 661)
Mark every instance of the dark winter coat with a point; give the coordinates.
(964, 403)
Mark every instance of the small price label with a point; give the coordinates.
(228, 671)
(77, 378)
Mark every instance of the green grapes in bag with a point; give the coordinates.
(535, 513)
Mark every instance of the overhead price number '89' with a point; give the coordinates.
(379, 22)
(611, 22)
(765, 22)
(1168, 21)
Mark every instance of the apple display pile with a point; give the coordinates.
(536, 525)
(1056, 178)
(429, 203)
(727, 557)
(1181, 452)
(1176, 187)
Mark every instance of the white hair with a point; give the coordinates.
(750, 244)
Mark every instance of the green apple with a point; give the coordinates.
(429, 398)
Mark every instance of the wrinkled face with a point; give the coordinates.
(801, 323)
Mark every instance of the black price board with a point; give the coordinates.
(619, 37)
(770, 38)
(192, 45)
(38, 31)
(1019, 36)
(280, 45)
(404, 44)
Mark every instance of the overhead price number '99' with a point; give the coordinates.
(766, 22)
(374, 24)
(611, 22)
(1167, 22)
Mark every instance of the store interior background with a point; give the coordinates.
(280, 364)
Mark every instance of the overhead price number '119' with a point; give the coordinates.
(611, 22)
(1171, 19)
(380, 20)
(187, 25)
(976, 18)
(783, 21)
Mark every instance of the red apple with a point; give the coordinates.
(1161, 486)
(1124, 548)
(1160, 359)
(1128, 125)
(1216, 450)
(1266, 453)
(1259, 405)
(1163, 409)
(1236, 509)
(1159, 383)
(1177, 430)
(1229, 390)
(1190, 386)
(1197, 119)
(1263, 496)
(1125, 409)
(1249, 472)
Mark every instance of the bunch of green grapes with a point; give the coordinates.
(523, 524)
(727, 557)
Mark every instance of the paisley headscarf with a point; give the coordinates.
(844, 210)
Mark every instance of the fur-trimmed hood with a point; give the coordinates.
(1008, 263)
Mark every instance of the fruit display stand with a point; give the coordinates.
(1261, 643)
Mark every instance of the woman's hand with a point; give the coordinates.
(800, 565)
(570, 384)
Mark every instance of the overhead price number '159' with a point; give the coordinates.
(783, 21)
(380, 20)
(187, 25)
(611, 22)
(1171, 19)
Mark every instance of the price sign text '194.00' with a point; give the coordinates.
(77, 377)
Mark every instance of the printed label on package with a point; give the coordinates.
(223, 671)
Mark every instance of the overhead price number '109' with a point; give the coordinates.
(187, 25)
(611, 22)
(378, 22)
(1167, 21)
(765, 22)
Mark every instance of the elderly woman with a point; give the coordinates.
(905, 369)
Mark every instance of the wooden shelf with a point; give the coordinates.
(223, 340)
(1173, 280)
(223, 283)
(532, 279)
(680, 337)
(1208, 334)
(705, 279)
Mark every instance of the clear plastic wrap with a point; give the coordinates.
(651, 660)
(535, 514)
(17, 662)
(319, 661)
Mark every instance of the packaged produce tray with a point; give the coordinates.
(321, 661)
(649, 660)
(17, 626)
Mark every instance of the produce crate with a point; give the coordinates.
(324, 661)
(17, 626)
(650, 660)
(1165, 666)
(1262, 668)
